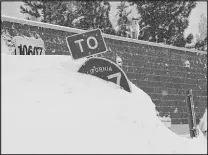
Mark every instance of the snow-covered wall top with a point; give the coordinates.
(156, 68)
(68, 29)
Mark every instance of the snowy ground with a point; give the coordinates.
(49, 108)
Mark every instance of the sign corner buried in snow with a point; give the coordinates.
(91, 43)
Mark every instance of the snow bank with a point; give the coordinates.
(47, 107)
(4, 47)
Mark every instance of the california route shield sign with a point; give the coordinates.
(106, 70)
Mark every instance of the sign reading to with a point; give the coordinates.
(107, 70)
(29, 46)
(86, 44)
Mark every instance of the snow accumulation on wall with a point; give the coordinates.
(157, 69)
(48, 107)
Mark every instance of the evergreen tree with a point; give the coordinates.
(202, 33)
(34, 9)
(79, 14)
(70, 13)
(123, 20)
(164, 21)
(201, 44)
(201, 37)
(94, 14)
(55, 12)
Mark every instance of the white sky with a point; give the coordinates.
(12, 9)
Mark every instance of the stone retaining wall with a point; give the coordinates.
(156, 68)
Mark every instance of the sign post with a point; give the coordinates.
(191, 117)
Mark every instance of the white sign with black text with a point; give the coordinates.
(29, 46)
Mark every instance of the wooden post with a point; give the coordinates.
(191, 114)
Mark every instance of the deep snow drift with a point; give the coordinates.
(49, 108)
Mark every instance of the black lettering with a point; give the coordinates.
(41, 49)
(34, 50)
(20, 49)
(38, 51)
(24, 50)
(30, 51)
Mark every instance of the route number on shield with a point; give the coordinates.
(106, 70)
(117, 75)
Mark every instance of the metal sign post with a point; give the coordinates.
(190, 107)
(191, 117)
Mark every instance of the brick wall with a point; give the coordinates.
(156, 68)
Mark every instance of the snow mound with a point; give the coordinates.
(4, 47)
(47, 107)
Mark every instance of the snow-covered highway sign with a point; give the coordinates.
(106, 70)
(86, 44)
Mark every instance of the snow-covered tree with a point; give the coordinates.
(202, 32)
(201, 37)
(123, 22)
(92, 15)
(79, 14)
(164, 21)
(54, 12)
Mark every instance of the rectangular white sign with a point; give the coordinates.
(29, 46)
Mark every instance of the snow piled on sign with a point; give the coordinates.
(4, 46)
(49, 108)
